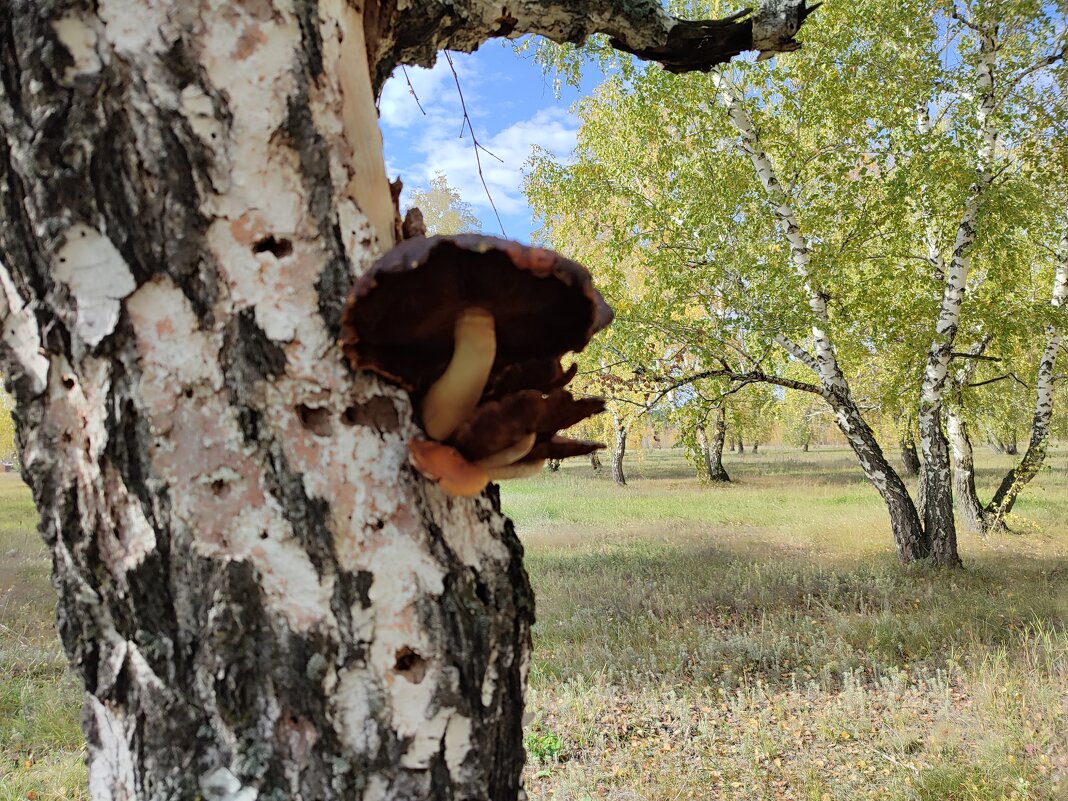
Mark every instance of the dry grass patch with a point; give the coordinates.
(760, 641)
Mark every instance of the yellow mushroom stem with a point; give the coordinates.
(515, 470)
(454, 396)
(513, 453)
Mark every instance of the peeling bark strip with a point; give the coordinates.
(261, 599)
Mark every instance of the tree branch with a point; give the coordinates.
(417, 32)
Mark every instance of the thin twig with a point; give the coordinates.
(474, 140)
(980, 356)
(412, 90)
(1013, 376)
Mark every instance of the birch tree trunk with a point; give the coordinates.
(908, 534)
(261, 599)
(936, 474)
(910, 460)
(1018, 478)
(965, 496)
(259, 596)
(619, 450)
(713, 452)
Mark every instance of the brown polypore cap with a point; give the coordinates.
(497, 424)
(400, 316)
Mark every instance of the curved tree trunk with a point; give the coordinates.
(964, 494)
(909, 537)
(1018, 478)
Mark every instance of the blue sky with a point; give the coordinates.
(512, 106)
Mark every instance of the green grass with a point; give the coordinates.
(753, 641)
(760, 640)
(41, 744)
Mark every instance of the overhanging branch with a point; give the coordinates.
(415, 33)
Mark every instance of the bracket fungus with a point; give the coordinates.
(474, 328)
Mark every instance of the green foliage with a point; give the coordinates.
(543, 746)
(443, 210)
(672, 219)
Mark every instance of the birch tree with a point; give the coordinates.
(832, 251)
(260, 597)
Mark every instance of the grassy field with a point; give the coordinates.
(755, 641)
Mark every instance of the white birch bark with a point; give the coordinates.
(260, 597)
(936, 474)
(965, 497)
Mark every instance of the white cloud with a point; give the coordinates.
(435, 89)
(550, 128)
(397, 106)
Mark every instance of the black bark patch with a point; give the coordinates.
(307, 12)
(353, 588)
(248, 354)
(300, 133)
(334, 281)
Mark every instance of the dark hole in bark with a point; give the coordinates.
(410, 665)
(482, 592)
(263, 535)
(188, 392)
(315, 419)
(218, 486)
(67, 436)
(378, 413)
(68, 381)
(377, 524)
(279, 248)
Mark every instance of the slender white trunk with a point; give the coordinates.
(936, 475)
(619, 450)
(1017, 478)
(907, 531)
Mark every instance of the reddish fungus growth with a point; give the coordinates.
(474, 328)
